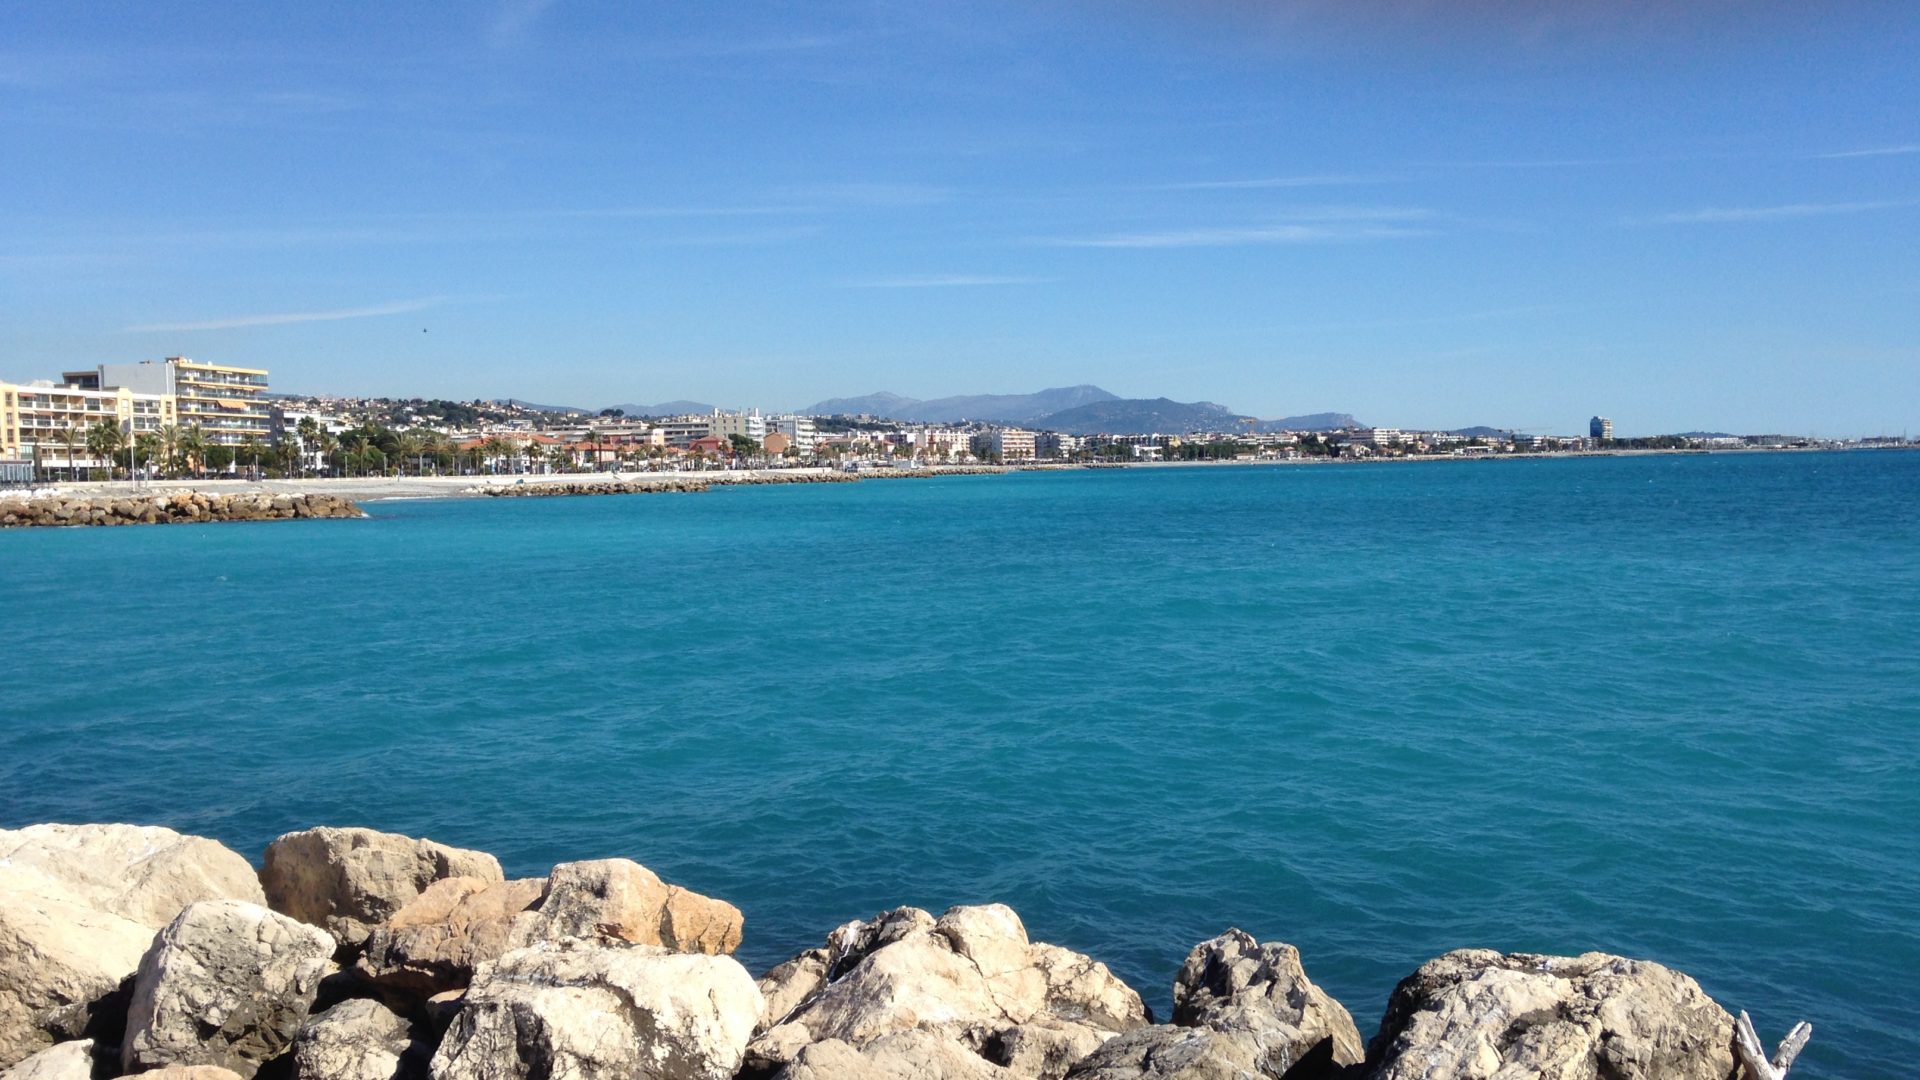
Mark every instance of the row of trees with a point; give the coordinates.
(169, 450)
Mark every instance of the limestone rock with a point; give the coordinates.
(226, 983)
(909, 1055)
(79, 905)
(61, 1061)
(971, 978)
(140, 872)
(1241, 1010)
(599, 1010)
(1168, 1052)
(435, 943)
(358, 1039)
(791, 982)
(619, 898)
(192, 1072)
(346, 881)
(1234, 974)
(1475, 1014)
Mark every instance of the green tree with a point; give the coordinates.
(105, 440)
(250, 451)
(192, 445)
(72, 438)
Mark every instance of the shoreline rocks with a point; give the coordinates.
(168, 508)
(374, 956)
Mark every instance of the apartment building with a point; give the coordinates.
(684, 431)
(800, 432)
(228, 403)
(748, 424)
(1007, 444)
(47, 423)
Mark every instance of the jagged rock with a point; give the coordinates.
(192, 1072)
(79, 905)
(971, 978)
(61, 1061)
(226, 983)
(619, 898)
(434, 944)
(358, 1039)
(1234, 973)
(1475, 1014)
(1240, 1010)
(791, 982)
(596, 1009)
(909, 1055)
(347, 881)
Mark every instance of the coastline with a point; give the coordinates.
(121, 502)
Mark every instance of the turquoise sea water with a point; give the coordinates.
(1668, 707)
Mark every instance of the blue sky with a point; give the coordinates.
(1699, 216)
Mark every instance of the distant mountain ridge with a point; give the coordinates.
(1141, 415)
(1074, 410)
(998, 408)
(665, 408)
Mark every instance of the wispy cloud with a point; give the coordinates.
(1306, 225)
(235, 322)
(513, 19)
(1725, 214)
(1271, 182)
(1874, 151)
(941, 281)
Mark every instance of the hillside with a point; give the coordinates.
(1000, 408)
(1140, 415)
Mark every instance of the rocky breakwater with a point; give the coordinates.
(361, 955)
(168, 508)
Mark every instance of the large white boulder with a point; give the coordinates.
(1476, 1014)
(226, 983)
(79, 904)
(601, 1010)
(971, 978)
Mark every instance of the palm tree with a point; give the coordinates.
(146, 447)
(250, 447)
(105, 440)
(327, 444)
(193, 447)
(355, 445)
(72, 438)
(306, 433)
(409, 444)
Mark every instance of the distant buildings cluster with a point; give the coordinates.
(180, 415)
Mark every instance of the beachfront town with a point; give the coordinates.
(183, 417)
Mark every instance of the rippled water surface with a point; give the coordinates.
(1668, 707)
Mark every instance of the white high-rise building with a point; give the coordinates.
(799, 430)
(746, 423)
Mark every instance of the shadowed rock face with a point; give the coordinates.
(593, 1010)
(1241, 1010)
(226, 983)
(1476, 1014)
(970, 980)
(346, 881)
(435, 943)
(79, 905)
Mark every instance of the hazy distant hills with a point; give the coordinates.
(665, 408)
(1000, 408)
(1141, 415)
(1075, 410)
(1319, 421)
